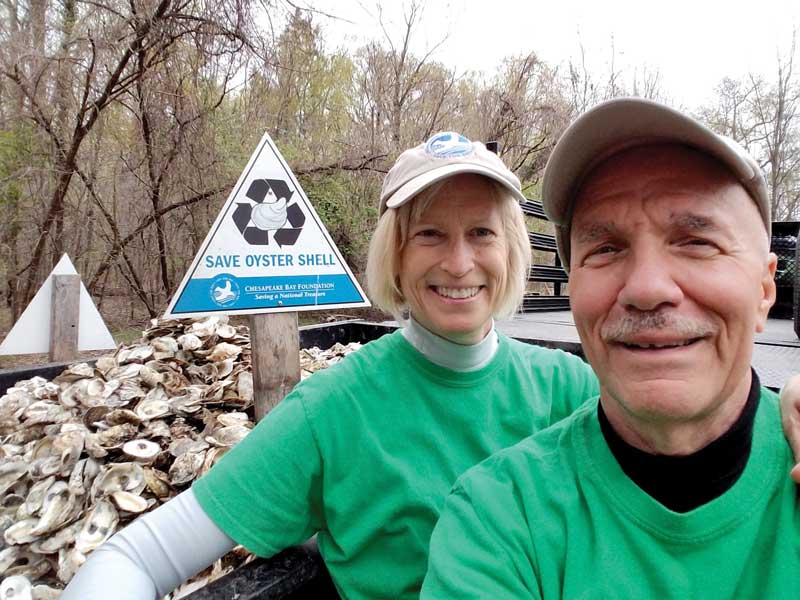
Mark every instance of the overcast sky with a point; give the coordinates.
(692, 43)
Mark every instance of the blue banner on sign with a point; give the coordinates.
(227, 292)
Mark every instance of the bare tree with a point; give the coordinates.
(777, 128)
(100, 55)
(401, 94)
(764, 117)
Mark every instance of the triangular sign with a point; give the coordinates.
(267, 251)
(31, 332)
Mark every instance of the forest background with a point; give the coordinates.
(124, 124)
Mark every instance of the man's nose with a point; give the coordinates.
(649, 282)
(459, 259)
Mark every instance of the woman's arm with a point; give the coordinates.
(153, 555)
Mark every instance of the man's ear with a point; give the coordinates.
(767, 291)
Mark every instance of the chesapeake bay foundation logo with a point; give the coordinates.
(224, 290)
(270, 210)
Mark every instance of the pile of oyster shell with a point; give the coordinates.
(85, 453)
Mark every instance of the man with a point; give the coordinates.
(674, 484)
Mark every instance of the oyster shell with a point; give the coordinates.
(190, 341)
(57, 507)
(98, 526)
(141, 450)
(35, 499)
(132, 503)
(229, 436)
(58, 540)
(126, 477)
(16, 587)
(154, 405)
(186, 467)
(21, 532)
(10, 473)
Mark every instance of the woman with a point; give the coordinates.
(364, 453)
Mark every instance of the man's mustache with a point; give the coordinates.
(631, 324)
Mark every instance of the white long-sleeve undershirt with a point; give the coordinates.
(153, 555)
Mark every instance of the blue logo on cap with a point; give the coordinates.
(448, 145)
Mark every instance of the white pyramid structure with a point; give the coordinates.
(31, 332)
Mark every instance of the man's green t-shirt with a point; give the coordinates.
(556, 517)
(365, 452)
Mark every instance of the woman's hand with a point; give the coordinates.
(790, 415)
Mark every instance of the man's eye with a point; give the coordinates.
(606, 249)
(698, 245)
(601, 255)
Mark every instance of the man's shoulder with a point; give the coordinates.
(533, 356)
(767, 395)
(529, 349)
(533, 463)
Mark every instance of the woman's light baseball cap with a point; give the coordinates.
(623, 123)
(445, 154)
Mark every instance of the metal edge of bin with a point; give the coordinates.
(295, 573)
(327, 334)
(9, 377)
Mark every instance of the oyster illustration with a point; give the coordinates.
(270, 215)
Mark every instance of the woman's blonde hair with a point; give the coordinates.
(389, 238)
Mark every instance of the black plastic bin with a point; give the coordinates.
(785, 245)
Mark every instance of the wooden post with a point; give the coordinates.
(275, 345)
(64, 317)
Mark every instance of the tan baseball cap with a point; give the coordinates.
(625, 123)
(445, 154)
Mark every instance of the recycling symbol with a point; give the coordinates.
(270, 211)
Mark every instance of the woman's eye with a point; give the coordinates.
(427, 235)
(483, 232)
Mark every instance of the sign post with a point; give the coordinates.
(267, 255)
(64, 315)
(274, 373)
(60, 320)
